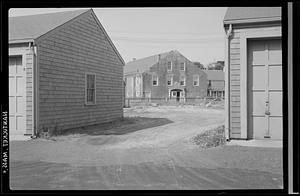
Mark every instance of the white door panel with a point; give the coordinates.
(275, 127)
(258, 56)
(275, 82)
(259, 103)
(275, 52)
(265, 88)
(275, 103)
(259, 78)
(259, 123)
(17, 95)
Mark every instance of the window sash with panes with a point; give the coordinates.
(182, 66)
(182, 80)
(170, 80)
(169, 65)
(155, 80)
(196, 80)
(90, 88)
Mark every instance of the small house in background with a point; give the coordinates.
(217, 65)
(215, 83)
(64, 72)
(253, 76)
(166, 76)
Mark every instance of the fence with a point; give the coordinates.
(129, 102)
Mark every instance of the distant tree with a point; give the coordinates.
(219, 65)
(201, 66)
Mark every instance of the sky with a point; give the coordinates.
(196, 32)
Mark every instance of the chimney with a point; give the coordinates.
(158, 58)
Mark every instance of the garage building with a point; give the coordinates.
(64, 72)
(253, 77)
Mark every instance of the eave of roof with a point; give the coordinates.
(35, 26)
(237, 15)
(143, 64)
(252, 20)
(36, 36)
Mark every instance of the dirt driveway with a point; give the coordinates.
(153, 151)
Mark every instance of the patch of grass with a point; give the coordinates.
(211, 138)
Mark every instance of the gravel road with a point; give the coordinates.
(148, 155)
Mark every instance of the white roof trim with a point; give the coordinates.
(250, 20)
(14, 41)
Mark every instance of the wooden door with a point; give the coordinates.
(17, 96)
(265, 89)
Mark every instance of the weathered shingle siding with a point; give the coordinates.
(64, 57)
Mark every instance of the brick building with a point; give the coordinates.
(165, 76)
(64, 72)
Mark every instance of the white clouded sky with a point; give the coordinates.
(140, 32)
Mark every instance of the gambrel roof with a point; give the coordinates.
(144, 64)
(33, 27)
(235, 15)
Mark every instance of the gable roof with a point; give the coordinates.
(236, 15)
(215, 74)
(25, 28)
(34, 26)
(143, 64)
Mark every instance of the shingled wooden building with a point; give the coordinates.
(253, 75)
(64, 72)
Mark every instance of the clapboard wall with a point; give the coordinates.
(64, 56)
(235, 69)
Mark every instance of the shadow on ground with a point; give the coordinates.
(121, 127)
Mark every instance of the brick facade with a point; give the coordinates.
(162, 90)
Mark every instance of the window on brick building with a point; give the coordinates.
(196, 80)
(182, 66)
(169, 65)
(169, 80)
(182, 80)
(90, 88)
(154, 80)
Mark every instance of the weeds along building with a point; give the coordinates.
(64, 72)
(166, 76)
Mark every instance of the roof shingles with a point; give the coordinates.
(244, 14)
(34, 26)
(141, 65)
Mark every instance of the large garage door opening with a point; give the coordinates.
(265, 89)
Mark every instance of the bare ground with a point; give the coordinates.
(145, 156)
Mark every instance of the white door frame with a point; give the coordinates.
(244, 36)
(21, 52)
